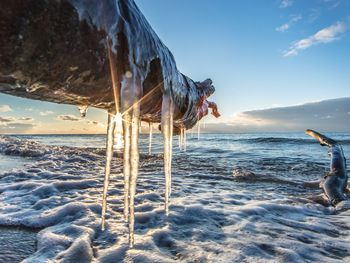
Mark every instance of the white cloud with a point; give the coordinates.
(5, 108)
(245, 119)
(95, 123)
(45, 113)
(324, 36)
(283, 27)
(68, 117)
(327, 115)
(286, 3)
(287, 25)
(333, 3)
(16, 125)
(5, 120)
(25, 119)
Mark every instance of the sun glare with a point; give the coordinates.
(118, 135)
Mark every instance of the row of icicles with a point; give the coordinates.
(117, 140)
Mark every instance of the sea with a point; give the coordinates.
(235, 198)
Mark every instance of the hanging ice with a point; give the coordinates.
(106, 49)
(130, 102)
(109, 156)
(150, 138)
(134, 166)
(198, 130)
(82, 110)
(167, 130)
(126, 162)
(182, 139)
(118, 134)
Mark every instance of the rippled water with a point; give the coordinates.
(16, 244)
(235, 198)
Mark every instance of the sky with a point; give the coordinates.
(326, 116)
(259, 54)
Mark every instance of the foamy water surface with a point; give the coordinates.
(235, 198)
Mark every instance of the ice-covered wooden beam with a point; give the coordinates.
(57, 51)
(104, 54)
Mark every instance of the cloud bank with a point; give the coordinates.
(328, 116)
(16, 125)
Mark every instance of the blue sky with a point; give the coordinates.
(236, 44)
(260, 54)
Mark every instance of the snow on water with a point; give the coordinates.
(234, 200)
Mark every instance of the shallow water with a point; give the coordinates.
(235, 198)
(16, 244)
(10, 162)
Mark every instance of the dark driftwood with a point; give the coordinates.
(58, 50)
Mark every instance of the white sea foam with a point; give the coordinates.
(213, 216)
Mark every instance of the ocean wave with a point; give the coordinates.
(219, 210)
(276, 140)
(24, 148)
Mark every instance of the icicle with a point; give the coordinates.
(167, 130)
(126, 162)
(118, 134)
(134, 167)
(199, 130)
(131, 124)
(109, 156)
(184, 140)
(83, 109)
(150, 138)
(180, 139)
(171, 128)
